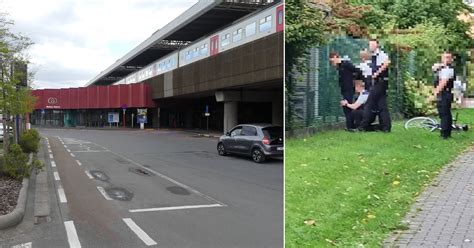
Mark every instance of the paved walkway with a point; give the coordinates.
(443, 215)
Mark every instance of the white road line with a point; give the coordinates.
(93, 151)
(65, 146)
(68, 150)
(139, 232)
(49, 150)
(72, 237)
(174, 208)
(51, 156)
(53, 164)
(24, 245)
(56, 176)
(79, 162)
(62, 195)
(89, 175)
(102, 191)
(72, 155)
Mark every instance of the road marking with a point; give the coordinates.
(102, 191)
(65, 146)
(56, 176)
(51, 156)
(79, 162)
(139, 232)
(68, 150)
(72, 155)
(24, 245)
(49, 150)
(62, 195)
(72, 237)
(53, 164)
(89, 175)
(93, 151)
(174, 208)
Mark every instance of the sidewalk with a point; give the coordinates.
(443, 215)
(197, 132)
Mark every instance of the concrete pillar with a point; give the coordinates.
(277, 112)
(230, 115)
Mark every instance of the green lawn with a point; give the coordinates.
(352, 189)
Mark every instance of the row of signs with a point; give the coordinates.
(113, 117)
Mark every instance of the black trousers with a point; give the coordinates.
(349, 97)
(377, 105)
(444, 111)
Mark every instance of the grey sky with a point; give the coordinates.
(76, 39)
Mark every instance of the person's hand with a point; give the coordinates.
(375, 75)
(343, 102)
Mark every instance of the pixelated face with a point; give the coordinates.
(447, 58)
(335, 60)
(359, 87)
(373, 45)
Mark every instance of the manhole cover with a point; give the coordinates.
(120, 194)
(122, 161)
(178, 190)
(99, 175)
(141, 172)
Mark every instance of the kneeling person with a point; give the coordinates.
(357, 108)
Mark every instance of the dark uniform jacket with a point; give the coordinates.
(347, 71)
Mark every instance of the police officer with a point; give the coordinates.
(365, 69)
(377, 101)
(444, 82)
(346, 81)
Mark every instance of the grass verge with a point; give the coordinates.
(352, 189)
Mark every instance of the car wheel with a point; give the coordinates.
(221, 149)
(258, 156)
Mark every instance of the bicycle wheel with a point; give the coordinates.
(422, 122)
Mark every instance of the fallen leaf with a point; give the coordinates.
(330, 241)
(304, 165)
(371, 216)
(310, 222)
(395, 183)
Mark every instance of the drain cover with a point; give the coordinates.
(178, 190)
(120, 194)
(141, 172)
(99, 175)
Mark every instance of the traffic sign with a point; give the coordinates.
(207, 109)
(124, 106)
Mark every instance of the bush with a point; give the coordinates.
(16, 163)
(416, 98)
(29, 141)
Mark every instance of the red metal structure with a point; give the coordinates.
(95, 97)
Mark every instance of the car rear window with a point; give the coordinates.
(273, 132)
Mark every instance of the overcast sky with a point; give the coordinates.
(75, 40)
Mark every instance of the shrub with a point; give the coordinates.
(37, 165)
(16, 163)
(416, 98)
(29, 141)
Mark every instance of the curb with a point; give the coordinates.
(208, 135)
(16, 216)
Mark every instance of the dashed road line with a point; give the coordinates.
(139, 232)
(72, 155)
(89, 174)
(56, 176)
(102, 191)
(24, 245)
(51, 156)
(79, 162)
(62, 195)
(53, 164)
(174, 208)
(49, 150)
(68, 150)
(72, 237)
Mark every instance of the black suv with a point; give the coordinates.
(259, 141)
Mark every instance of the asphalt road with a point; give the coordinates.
(159, 189)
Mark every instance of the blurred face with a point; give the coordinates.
(359, 87)
(373, 45)
(335, 60)
(446, 58)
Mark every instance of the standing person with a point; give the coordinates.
(377, 101)
(346, 81)
(444, 83)
(365, 69)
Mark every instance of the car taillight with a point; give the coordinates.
(266, 141)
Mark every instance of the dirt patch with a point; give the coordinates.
(9, 191)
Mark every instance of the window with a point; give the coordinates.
(249, 131)
(280, 17)
(265, 23)
(188, 55)
(195, 52)
(237, 35)
(225, 40)
(250, 29)
(203, 50)
(236, 132)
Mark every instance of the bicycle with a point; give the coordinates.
(431, 124)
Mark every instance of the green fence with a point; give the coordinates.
(316, 96)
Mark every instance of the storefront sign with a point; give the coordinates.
(113, 117)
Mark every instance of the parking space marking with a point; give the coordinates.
(93, 151)
(65, 146)
(51, 156)
(79, 162)
(49, 150)
(56, 176)
(174, 208)
(102, 191)
(62, 195)
(68, 150)
(72, 237)
(53, 164)
(139, 232)
(89, 175)
(24, 245)
(72, 155)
